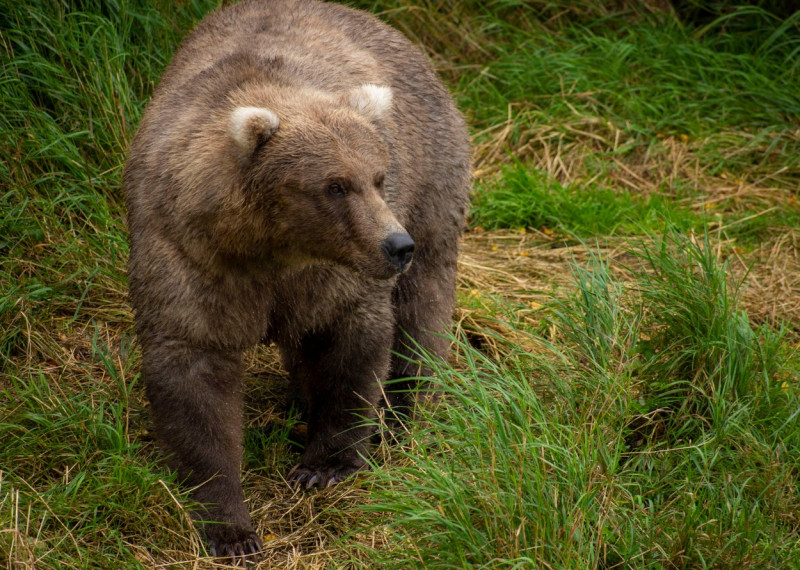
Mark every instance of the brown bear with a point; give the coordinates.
(300, 177)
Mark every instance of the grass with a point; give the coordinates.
(629, 404)
(652, 430)
(528, 198)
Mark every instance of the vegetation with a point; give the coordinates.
(623, 391)
(652, 428)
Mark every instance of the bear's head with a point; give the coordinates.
(315, 166)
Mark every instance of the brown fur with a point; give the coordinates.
(232, 244)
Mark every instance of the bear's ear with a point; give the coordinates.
(372, 101)
(252, 126)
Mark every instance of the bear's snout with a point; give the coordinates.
(399, 249)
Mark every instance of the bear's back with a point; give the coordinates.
(328, 46)
(319, 45)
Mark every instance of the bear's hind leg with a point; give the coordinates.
(339, 372)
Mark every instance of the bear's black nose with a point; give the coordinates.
(399, 249)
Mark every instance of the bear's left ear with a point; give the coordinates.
(372, 101)
(252, 126)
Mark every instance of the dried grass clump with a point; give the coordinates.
(772, 284)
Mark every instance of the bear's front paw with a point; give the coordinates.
(323, 476)
(233, 543)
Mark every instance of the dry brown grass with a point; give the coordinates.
(529, 268)
(772, 284)
(570, 153)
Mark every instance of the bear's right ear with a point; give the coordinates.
(252, 126)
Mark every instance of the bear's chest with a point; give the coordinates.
(316, 298)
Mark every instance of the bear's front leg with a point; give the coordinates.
(339, 372)
(196, 405)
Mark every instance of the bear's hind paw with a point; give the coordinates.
(302, 475)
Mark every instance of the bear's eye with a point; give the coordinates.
(379, 181)
(336, 189)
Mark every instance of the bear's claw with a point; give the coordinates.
(301, 475)
(235, 544)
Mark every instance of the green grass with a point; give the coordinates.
(643, 420)
(613, 98)
(74, 86)
(79, 487)
(653, 431)
(649, 78)
(80, 481)
(522, 197)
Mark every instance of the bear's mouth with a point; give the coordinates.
(382, 270)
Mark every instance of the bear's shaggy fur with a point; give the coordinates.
(288, 158)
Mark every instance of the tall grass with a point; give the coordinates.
(74, 86)
(79, 486)
(655, 430)
(653, 77)
(610, 108)
(76, 489)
